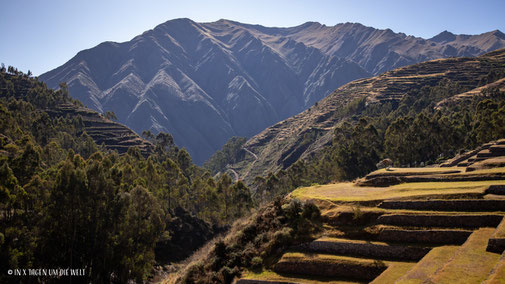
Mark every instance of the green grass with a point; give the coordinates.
(471, 263)
(270, 275)
(435, 259)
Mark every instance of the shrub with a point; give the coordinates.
(311, 212)
(283, 236)
(292, 209)
(357, 213)
(256, 262)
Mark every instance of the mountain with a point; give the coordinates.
(117, 210)
(306, 134)
(207, 82)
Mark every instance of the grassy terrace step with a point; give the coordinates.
(270, 277)
(471, 263)
(496, 189)
(494, 196)
(497, 149)
(393, 272)
(488, 154)
(347, 192)
(442, 220)
(367, 249)
(435, 259)
(330, 266)
(497, 275)
(497, 241)
(482, 205)
(424, 236)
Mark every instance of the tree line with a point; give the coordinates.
(411, 132)
(67, 202)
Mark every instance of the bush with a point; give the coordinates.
(283, 236)
(256, 262)
(292, 209)
(311, 212)
(357, 213)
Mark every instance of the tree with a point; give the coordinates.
(147, 134)
(385, 163)
(110, 115)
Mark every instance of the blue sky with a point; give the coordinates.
(39, 35)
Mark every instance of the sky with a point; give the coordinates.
(40, 35)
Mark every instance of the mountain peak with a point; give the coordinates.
(444, 36)
(498, 34)
(180, 76)
(311, 24)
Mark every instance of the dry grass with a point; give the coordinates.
(428, 265)
(414, 171)
(199, 255)
(471, 263)
(330, 258)
(497, 275)
(300, 256)
(340, 240)
(500, 230)
(272, 276)
(349, 192)
(449, 171)
(393, 272)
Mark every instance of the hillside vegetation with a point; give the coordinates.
(388, 116)
(207, 82)
(438, 225)
(80, 191)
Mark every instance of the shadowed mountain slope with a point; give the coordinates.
(207, 82)
(302, 135)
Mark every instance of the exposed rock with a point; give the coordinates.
(207, 82)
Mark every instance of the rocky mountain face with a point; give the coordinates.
(305, 134)
(207, 82)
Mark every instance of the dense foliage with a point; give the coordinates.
(255, 242)
(411, 132)
(67, 202)
(230, 153)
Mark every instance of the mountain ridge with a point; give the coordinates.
(304, 134)
(207, 82)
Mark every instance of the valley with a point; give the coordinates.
(206, 82)
(287, 152)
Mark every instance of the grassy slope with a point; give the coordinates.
(270, 275)
(349, 192)
(428, 265)
(393, 272)
(471, 263)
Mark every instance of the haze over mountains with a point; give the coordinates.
(207, 82)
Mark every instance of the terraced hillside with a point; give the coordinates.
(113, 135)
(302, 135)
(421, 225)
(489, 155)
